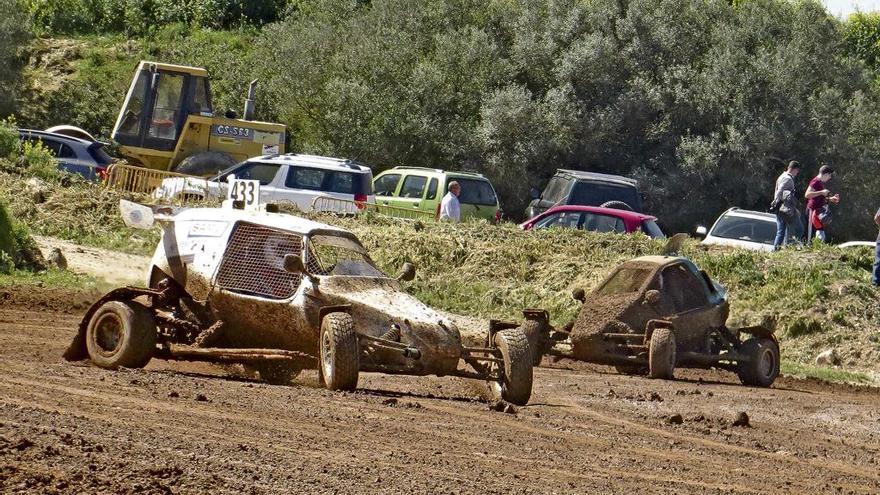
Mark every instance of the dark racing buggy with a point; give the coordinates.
(280, 293)
(653, 314)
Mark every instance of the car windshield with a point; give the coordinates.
(625, 281)
(650, 228)
(745, 229)
(336, 255)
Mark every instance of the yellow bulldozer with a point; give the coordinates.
(168, 123)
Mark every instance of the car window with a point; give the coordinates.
(683, 288)
(651, 229)
(603, 223)
(413, 186)
(475, 192)
(386, 185)
(745, 229)
(53, 146)
(66, 151)
(100, 155)
(337, 181)
(565, 219)
(555, 190)
(590, 193)
(432, 189)
(263, 172)
(625, 281)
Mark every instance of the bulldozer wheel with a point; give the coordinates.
(340, 353)
(205, 163)
(763, 366)
(121, 334)
(661, 354)
(515, 385)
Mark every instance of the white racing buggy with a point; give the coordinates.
(280, 294)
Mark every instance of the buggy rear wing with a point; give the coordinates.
(143, 217)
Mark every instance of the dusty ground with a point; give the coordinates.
(185, 428)
(111, 266)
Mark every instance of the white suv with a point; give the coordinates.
(755, 230)
(293, 177)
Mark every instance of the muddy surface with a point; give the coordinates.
(194, 428)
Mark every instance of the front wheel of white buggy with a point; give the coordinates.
(340, 353)
(515, 382)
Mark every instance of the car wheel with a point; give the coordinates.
(616, 205)
(515, 383)
(121, 334)
(537, 338)
(340, 353)
(762, 366)
(205, 163)
(661, 354)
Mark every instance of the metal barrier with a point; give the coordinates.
(335, 205)
(140, 180)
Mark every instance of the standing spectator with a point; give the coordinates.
(818, 196)
(450, 208)
(876, 277)
(785, 206)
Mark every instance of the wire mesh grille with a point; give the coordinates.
(254, 262)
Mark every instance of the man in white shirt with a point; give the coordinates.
(450, 208)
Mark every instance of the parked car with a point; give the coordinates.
(596, 219)
(281, 293)
(574, 187)
(424, 188)
(74, 155)
(292, 177)
(755, 230)
(653, 314)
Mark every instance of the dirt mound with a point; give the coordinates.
(47, 298)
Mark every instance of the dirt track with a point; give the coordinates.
(186, 428)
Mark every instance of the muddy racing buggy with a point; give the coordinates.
(281, 293)
(653, 314)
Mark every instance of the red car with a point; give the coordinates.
(595, 219)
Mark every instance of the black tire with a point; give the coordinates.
(340, 353)
(277, 372)
(515, 385)
(121, 334)
(534, 332)
(661, 354)
(205, 163)
(616, 205)
(763, 366)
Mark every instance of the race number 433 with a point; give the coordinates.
(246, 191)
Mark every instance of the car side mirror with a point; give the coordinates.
(407, 272)
(579, 295)
(652, 297)
(293, 264)
(701, 231)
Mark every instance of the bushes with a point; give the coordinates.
(138, 17)
(17, 249)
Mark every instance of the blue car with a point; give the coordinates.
(74, 155)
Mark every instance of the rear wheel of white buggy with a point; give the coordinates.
(661, 354)
(340, 353)
(515, 383)
(121, 334)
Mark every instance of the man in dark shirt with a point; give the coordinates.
(818, 196)
(788, 219)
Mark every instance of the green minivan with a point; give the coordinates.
(423, 189)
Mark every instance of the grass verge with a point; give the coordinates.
(835, 375)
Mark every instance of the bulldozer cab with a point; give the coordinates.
(158, 102)
(167, 122)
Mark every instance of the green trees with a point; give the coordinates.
(702, 100)
(13, 32)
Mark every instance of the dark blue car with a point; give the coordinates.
(74, 155)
